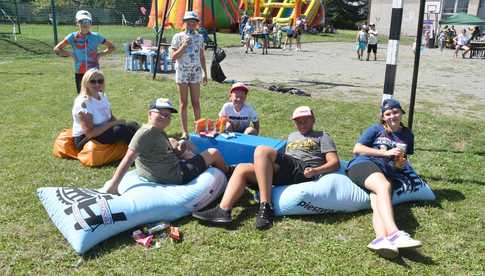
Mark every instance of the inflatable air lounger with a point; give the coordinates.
(86, 217)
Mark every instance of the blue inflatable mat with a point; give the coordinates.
(335, 192)
(86, 217)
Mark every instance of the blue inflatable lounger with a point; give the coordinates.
(236, 148)
(335, 192)
(86, 217)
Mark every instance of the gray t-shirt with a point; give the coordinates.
(311, 147)
(156, 159)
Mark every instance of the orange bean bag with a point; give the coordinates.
(93, 153)
(64, 145)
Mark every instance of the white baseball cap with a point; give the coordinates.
(191, 15)
(162, 103)
(83, 14)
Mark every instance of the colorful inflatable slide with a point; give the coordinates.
(284, 12)
(226, 13)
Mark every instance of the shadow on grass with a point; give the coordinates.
(331, 84)
(20, 73)
(414, 256)
(32, 46)
(481, 153)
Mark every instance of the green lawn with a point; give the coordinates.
(36, 96)
(39, 39)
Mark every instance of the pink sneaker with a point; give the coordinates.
(384, 248)
(402, 239)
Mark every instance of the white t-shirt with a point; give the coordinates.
(191, 56)
(239, 120)
(462, 40)
(372, 37)
(99, 109)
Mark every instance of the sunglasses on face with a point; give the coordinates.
(85, 22)
(100, 81)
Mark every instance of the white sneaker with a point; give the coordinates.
(401, 239)
(384, 248)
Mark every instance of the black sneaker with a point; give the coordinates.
(214, 215)
(264, 219)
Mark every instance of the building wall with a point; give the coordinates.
(380, 14)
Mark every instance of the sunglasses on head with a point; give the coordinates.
(100, 81)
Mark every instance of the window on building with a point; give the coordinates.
(462, 6)
(455, 6)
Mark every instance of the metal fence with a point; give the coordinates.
(9, 22)
(104, 12)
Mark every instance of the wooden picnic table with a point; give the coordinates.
(477, 49)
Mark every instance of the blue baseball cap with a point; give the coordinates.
(390, 104)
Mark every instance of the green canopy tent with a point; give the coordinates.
(462, 19)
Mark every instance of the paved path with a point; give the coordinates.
(448, 85)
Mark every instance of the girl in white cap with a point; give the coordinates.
(84, 44)
(190, 67)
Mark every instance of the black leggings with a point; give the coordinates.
(112, 135)
(358, 173)
(78, 78)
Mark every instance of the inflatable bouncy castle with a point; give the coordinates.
(226, 13)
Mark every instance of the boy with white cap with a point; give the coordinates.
(240, 114)
(84, 44)
(190, 68)
(308, 154)
(155, 157)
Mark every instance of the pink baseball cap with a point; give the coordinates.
(239, 86)
(302, 111)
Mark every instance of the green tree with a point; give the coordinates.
(346, 13)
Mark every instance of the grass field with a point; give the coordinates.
(37, 90)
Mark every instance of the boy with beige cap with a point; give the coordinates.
(308, 154)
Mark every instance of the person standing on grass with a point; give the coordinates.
(92, 116)
(361, 40)
(380, 156)
(308, 155)
(84, 44)
(372, 41)
(190, 67)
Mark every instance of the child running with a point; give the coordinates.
(308, 155)
(240, 113)
(84, 44)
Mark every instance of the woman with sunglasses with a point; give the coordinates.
(84, 44)
(92, 116)
(380, 156)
